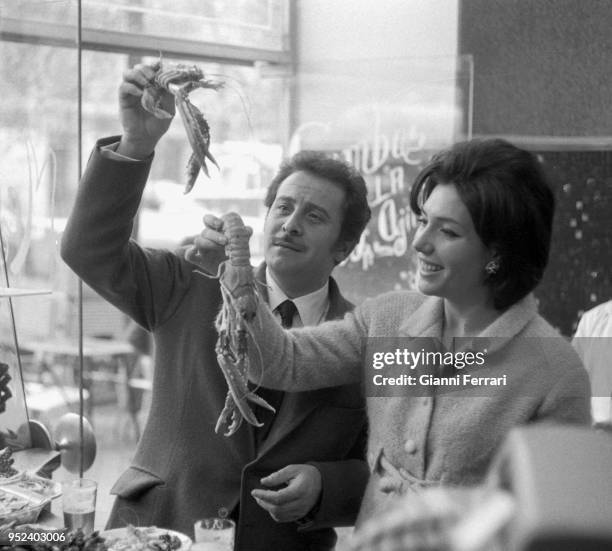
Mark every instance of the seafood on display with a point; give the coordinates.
(180, 80)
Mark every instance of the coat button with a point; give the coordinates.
(410, 446)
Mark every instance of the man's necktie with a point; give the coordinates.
(287, 310)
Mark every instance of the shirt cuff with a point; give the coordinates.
(110, 152)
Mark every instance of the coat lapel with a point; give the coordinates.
(297, 405)
(426, 321)
(338, 305)
(508, 325)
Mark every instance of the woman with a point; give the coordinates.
(485, 212)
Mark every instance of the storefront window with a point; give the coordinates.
(384, 116)
(39, 174)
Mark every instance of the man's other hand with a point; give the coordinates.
(208, 249)
(296, 499)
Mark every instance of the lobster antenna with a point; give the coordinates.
(245, 107)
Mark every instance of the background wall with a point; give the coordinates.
(341, 29)
(358, 54)
(541, 67)
(543, 78)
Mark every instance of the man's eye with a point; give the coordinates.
(282, 208)
(448, 232)
(315, 216)
(421, 220)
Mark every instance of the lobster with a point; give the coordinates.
(180, 80)
(240, 299)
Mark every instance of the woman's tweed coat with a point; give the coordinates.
(449, 438)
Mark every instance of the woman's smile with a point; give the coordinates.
(427, 268)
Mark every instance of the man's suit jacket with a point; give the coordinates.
(182, 471)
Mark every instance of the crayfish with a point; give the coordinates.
(239, 306)
(180, 80)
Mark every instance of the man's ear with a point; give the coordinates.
(341, 250)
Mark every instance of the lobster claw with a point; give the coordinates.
(240, 393)
(258, 400)
(230, 417)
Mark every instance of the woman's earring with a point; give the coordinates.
(492, 267)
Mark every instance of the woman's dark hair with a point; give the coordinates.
(356, 210)
(512, 205)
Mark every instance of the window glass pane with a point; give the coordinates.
(38, 141)
(38, 129)
(38, 181)
(247, 23)
(38, 177)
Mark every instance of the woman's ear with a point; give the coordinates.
(494, 263)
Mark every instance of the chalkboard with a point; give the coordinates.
(579, 273)
(383, 259)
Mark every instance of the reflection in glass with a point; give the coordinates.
(386, 117)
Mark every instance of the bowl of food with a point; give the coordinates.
(149, 538)
(19, 505)
(31, 482)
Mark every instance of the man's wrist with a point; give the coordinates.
(134, 149)
(308, 519)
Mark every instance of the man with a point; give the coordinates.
(286, 483)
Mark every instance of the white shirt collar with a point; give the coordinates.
(311, 308)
